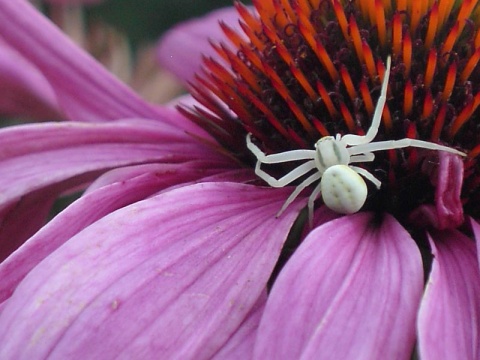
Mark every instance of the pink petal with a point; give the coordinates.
(85, 211)
(476, 233)
(447, 213)
(173, 276)
(350, 291)
(240, 345)
(85, 90)
(22, 218)
(449, 316)
(181, 49)
(35, 156)
(24, 90)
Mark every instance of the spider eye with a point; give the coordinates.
(343, 190)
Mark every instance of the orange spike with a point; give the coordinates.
(367, 98)
(320, 127)
(430, 70)
(370, 5)
(415, 14)
(300, 116)
(449, 81)
(387, 119)
(347, 117)
(247, 16)
(413, 156)
(326, 99)
(357, 39)
(301, 78)
(438, 124)
(432, 26)
(292, 17)
(397, 34)
(285, 94)
(444, 8)
(243, 70)
(281, 19)
(471, 64)
(465, 12)
(306, 29)
(408, 98)
(401, 5)
(464, 115)
(342, 18)
(477, 38)
(369, 60)
(451, 38)
(304, 5)
(427, 105)
(347, 81)
(380, 21)
(407, 54)
(264, 109)
(234, 38)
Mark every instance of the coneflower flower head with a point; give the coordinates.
(305, 69)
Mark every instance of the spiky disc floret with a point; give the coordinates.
(304, 69)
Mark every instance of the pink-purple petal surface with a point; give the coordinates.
(84, 89)
(97, 203)
(21, 218)
(181, 49)
(350, 291)
(240, 345)
(24, 90)
(449, 316)
(173, 276)
(34, 156)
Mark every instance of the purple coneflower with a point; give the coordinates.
(170, 251)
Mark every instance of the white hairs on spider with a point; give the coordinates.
(342, 188)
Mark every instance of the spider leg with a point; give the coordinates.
(311, 200)
(310, 180)
(367, 157)
(398, 144)
(286, 156)
(367, 175)
(353, 140)
(287, 178)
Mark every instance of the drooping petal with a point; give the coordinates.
(97, 203)
(449, 316)
(21, 218)
(24, 91)
(85, 90)
(34, 156)
(181, 49)
(476, 233)
(447, 212)
(173, 276)
(51, 157)
(350, 291)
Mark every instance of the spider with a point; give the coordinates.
(342, 188)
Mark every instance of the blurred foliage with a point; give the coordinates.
(144, 20)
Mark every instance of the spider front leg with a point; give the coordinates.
(286, 156)
(351, 139)
(399, 144)
(287, 178)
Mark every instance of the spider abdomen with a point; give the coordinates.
(343, 190)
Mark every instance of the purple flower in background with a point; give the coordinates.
(174, 249)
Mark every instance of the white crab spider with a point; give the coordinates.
(341, 186)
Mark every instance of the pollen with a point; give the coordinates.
(300, 70)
